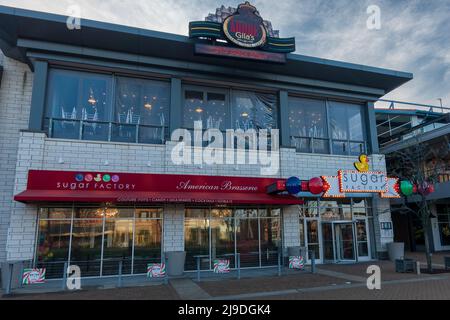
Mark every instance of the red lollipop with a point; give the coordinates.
(316, 185)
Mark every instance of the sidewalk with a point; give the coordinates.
(337, 282)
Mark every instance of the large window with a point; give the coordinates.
(347, 131)
(308, 125)
(443, 214)
(324, 126)
(214, 108)
(97, 239)
(80, 105)
(223, 233)
(142, 111)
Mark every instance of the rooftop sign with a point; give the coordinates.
(242, 27)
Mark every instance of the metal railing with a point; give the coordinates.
(106, 131)
(432, 117)
(402, 105)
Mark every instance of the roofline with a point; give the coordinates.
(184, 39)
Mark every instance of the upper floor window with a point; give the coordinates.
(308, 125)
(80, 105)
(141, 105)
(74, 97)
(229, 109)
(321, 126)
(347, 129)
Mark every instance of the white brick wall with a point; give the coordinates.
(38, 152)
(173, 228)
(15, 101)
(291, 226)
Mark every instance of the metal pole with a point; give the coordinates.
(198, 269)
(64, 281)
(120, 274)
(20, 276)
(279, 263)
(313, 261)
(239, 266)
(8, 287)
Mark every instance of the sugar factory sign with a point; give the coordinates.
(242, 27)
(358, 181)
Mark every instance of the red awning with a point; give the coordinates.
(33, 196)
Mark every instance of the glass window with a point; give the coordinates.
(86, 252)
(147, 243)
(252, 110)
(118, 246)
(142, 103)
(53, 246)
(79, 96)
(347, 131)
(308, 125)
(209, 107)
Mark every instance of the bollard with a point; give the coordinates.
(120, 274)
(313, 261)
(239, 266)
(418, 268)
(64, 280)
(198, 269)
(279, 264)
(10, 276)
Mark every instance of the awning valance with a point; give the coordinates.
(85, 187)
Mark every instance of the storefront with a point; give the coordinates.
(94, 178)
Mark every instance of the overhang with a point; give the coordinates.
(18, 24)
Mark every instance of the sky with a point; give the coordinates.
(414, 35)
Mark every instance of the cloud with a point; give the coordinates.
(414, 34)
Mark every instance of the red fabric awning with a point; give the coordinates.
(32, 196)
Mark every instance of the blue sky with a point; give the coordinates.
(414, 34)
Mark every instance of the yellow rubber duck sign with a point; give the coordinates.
(363, 164)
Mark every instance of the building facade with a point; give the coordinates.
(400, 128)
(87, 120)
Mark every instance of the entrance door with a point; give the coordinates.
(313, 238)
(345, 241)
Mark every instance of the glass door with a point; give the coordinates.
(363, 240)
(345, 241)
(313, 238)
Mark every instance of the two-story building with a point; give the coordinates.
(86, 163)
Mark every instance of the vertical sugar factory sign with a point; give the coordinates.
(221, 266)
(33, 276)
(156, 270)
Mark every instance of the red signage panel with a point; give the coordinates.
(232, 52)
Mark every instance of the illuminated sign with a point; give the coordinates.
(245, 28)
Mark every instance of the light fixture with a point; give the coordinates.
(60, 160)
(91, 99)
(244, 114)
(199, 110)
(148, 106)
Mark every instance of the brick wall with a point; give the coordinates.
(15, 101)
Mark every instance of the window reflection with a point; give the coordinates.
(253, 110)
(79, 96)
(308, 125)
(142, 103)
(210, 108)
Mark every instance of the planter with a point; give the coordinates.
(396, 250)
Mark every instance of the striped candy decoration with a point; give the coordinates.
(156, 270)
(33, 276)
(296, 263)
(221, 266)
